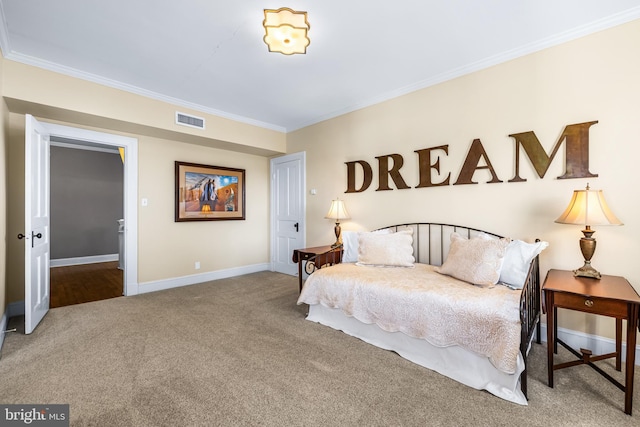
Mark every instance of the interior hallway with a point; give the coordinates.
(77, 284)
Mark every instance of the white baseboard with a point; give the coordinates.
(17, 308)
(595, 343)
(63, 262)
(176, 282)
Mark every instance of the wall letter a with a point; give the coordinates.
(471, 164)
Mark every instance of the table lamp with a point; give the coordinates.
(587, 207)
(337, 211)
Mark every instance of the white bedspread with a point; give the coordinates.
(424, 304)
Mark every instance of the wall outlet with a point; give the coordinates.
(197, 265)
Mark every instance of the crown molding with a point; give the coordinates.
(8, 53)
(584, 30)
(581, 31)
(72, 72)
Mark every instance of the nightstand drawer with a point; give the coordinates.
(605, 307)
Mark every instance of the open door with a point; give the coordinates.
(36, 224)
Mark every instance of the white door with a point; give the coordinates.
(36, 224)
(287, 211)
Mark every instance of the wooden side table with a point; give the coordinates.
(315, 258)
(611, 296)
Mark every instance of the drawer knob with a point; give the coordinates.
(588, 303)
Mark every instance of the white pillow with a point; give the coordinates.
(517, 261)
(350, 243)
(349, 246)
(478, 260)
(386, 250)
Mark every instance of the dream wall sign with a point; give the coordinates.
(574, 137)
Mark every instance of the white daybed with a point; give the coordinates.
(477, 335)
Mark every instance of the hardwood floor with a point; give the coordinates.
(84, 283)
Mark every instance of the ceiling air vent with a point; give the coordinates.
(188, 120)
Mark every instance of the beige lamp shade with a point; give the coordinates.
(588, 207)
(337, 211)
(286, 31)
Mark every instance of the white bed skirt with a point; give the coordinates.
(455, 362)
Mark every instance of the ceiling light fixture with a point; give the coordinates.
(286, 31)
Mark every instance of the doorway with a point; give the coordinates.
(36, 196)
(86, 210)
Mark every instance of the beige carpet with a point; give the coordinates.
(238, 352)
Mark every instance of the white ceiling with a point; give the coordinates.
(209, 54)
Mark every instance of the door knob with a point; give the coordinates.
(296, 226)
(21, 236)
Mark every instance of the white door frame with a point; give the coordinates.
(301, 156)
(130, 146)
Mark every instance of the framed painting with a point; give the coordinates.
(209, 193)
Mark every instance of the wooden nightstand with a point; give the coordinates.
(611, 296)
(316, 257)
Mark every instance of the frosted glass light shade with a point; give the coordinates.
(286, 31)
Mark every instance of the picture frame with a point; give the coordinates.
(209, 193)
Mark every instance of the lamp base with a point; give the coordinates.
(587, 271)
(338, 231)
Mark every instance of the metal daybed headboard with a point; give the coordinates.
(431, 240)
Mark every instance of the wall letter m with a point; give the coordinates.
(576, 152)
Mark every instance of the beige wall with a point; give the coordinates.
(169, 249)
(4, 116)
(592, 78)
(166, 249)
(15, 208)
